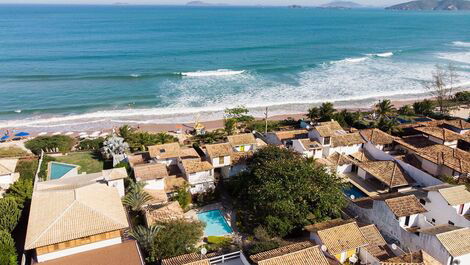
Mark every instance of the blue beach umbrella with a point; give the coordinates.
(22, 134)
(4, 137)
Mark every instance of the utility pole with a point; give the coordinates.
(266, 121)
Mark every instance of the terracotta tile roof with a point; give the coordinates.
(163, 151)
(338, 159)
(241, 157)
(456, 242)
(62, 215)
(377, 136)
(7, 166)
(460, 124)
(216, 150)
(415, 258)
(328, 128)
(241, 139)
(440, 133)
(438, 229)
(150, 171)
(389, 173)
(173, 183)
(298, 253)
(335, 240)
(361, 156)
(310, 144)
(405, 205)
(188, 259)
(377, 246)
(158, 196)
(290, 135)
(192, 166)
(189, 153)
(138, 159)
(327, 224)
(168, 212)
(346, 139)
(452, 158)
(126, 253)
(455, 195)
(115, 173)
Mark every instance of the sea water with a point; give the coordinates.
(89, 66)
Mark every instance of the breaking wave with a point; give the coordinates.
(461, 44)
(219, 72)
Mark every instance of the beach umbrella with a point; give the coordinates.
(56, 133)
(69, 133)
(4, 137)
(42, 133)
(22, 134)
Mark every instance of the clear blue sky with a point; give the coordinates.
(233, 2)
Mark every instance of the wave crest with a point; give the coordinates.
(461, 43)
(219, 72)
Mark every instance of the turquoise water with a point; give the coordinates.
(58, 170)
(91, 66)
(353, 190)
(216, 225)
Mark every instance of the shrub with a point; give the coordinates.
(406, 110)
(218, 240)
(463, 96)
(27, 168)
(8, 255)
(43, 171)
(425, 107)
(12, 152)
(9, 214)
(183, 196)
(261, 246)
(21, 191)
(91, 144)
(51, 144)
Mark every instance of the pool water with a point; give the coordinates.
(58, 170)
(354, 191)
(216, 225)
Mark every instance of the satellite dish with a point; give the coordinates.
(324, 248)
(203, 251)
(353, 259)
(456, 262)
(352, 197)
(394, 246)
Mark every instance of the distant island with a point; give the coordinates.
(433, 5)
(201, 3)
(341, 4)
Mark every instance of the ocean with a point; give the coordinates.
(85, 67)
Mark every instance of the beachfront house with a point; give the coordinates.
(73, 223)
(285, 138)
(380, 139)
(8, 175)
(167, 154)
(377, 249)
(342, 238)
(307, 148)
(448, 204)
(219, 155)
(154, 175)
(199, 175)
(459, 126)
(303, 252)
(385, 175)
(242, 142)
(440, 135)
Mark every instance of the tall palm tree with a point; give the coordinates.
(326, 111)
(136, 197)
(145, 235)
(313, 114)
(165, 138)
(388, 125)
(384, 108)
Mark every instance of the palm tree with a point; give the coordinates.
(145, 235)
(384, 108)
(326, 111)
(165, 138)
(388, 125)
(313, 114)
(126, 131)
(136, 197)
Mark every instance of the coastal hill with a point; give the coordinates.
(433, 5)
(201, 3)
(342, 4)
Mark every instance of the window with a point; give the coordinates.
(242, 148)
(422, 201)
(461, 208)
(407, 221)
(451, 223)
(162, 150)
(354, 168)
(326, 140)
(221, 160)
(433, 220)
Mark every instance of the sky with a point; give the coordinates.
(231, 2)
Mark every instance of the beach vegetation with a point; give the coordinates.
(9, 214)
(51, 144)
(211, 137)
(388, 125)
(406, 110)
(424, 107)
(384, 108)
(140, 141)
(13, 151)
(441, 86)
(89, 162)
(229, 126)
(313, 114)
(237, 118)
(91, 144)
(326, 111)
(282, 191)
(27, 168)
(462, 97)
(8, 255)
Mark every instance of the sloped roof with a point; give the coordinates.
(438, 229)
(439, 133)
(241, 139)
(163, 151)
(126, 253)
(138, 159)
(328, 128)
(300, 253)
(415, 258)
(310, 144)
(150, 171)
(361, 156)
(405, 205)
(336, 241)
(456, 242)
(460, 124)
(8, 166)
(339, 159)
(455, 195)
(115, 173)
(173, 183)
(62, 215)
(290, 135)
(377, 245)
(216, 150)
(389, 173)
(158, 196)
(168, 212)
(376, 136)
(69, 182)
(188, 259)
(193, 166)
(346, 139)
(189, 153)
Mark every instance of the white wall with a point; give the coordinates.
(248, 147)
(442, 212)
(298, 147)
(155, 184)
(79, 249)
(215, 162)
(345, 149)
(6, 179)
(200, 177)
(167, 161)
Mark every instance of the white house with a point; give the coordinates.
(219, 155)
(381, 140)
(306, 147)
(167, 154)
(323, 131)
(440, 135)
(377, 248)
(386, 175)
(154, 175)
(304, 252)
(242, 142)
(448, 244)
(114, 177)
(448, 204)
(8, 175)
(458, 126)
(285, 137)
(199, 175)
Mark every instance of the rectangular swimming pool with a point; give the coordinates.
(353, 192)
(216, 225)
(58, 170)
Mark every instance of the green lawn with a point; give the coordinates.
(88, 162)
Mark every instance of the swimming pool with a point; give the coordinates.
(58, 170)
(352, 190)
(216, 225)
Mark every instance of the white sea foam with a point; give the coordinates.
(461, 43)
(384, 54)
(135, 75)
(352, 60)
(18, 111)
(219, 72)
(461, 57)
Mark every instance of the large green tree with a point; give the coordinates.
(9, 214)
(56, 143)
(21, 191)
(282, 191)
(8, 255)
(326, 111)
(384, 108)
(425, 107)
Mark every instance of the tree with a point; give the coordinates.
(441, 86)
(135, 200)
(282, 191)
(114, 146)
(9, 214)
(145, 236)
(126, 131)
(388, 125)
(238, 116)
(229, 126)
(209, 137)
(313, 114)
(21, 191)
(50, 144)
(175, 238)
(425, 107)
(462, 97)
(384, 108)
(183, 196)
(8, 255)
(326, 111)
(91, 144)
(406, 110)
